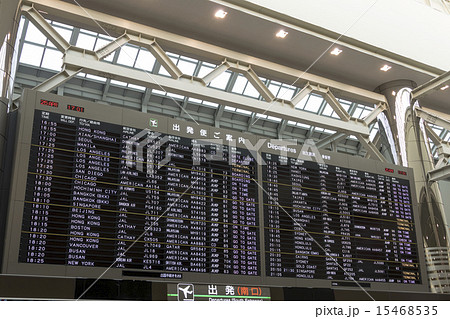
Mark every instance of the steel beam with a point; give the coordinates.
(215, 73)
(433, 119)
(39, 22)
(253, 78)
(301, 95)
(82, 59)
(209, 52)
(57, 80)
(334, 138)
(431, 134)
(337, 107)
(370, 148)
(430, 86)
(113, 46)
(158, 53)
(374, 114)
(439, 174)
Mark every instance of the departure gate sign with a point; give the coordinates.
(97, 186)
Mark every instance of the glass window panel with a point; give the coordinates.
(243, 111)
(301, 105)
(127, 56)
(136, 87)
(101, 43)
(145, 60)
(221, 81)
(328, 110)
(334, 115)
(85, 41)
(186, 67)
(34, 35)
(158, 92)
(191, 99)
(251, 91)
(261, 116)
(357, 112)
(52, 60)
(274, 89)
(373, 133)
(31, 54)
(285, 93)
(229, 108)
(304, 125)
(119, 83)
(313, 103)
(204, 70)
(163, 71)
(62, 25)
(437, 130)
(365, 113)
(239, 85)
(448, 137)
(175, 96)
(273, 118)
(95, 77)
(109, 58)
(210, 104)
(292, 123)
(66, 34)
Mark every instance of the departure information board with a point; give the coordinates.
(84, 205)
(317, 214)
(140, 195)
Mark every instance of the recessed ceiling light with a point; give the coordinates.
(220, 14)
(336, 51)
(394, 93)
(445, 87)
(385, 68)
(282, 34)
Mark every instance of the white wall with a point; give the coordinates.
(405, 27)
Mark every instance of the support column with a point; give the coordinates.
(412, 144)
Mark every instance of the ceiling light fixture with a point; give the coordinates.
(282, 34)
(220, 14)
(385, 68)
(445, 87)
(336, 51)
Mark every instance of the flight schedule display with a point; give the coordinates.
(336, 223)
(102, 190)
(85, 207)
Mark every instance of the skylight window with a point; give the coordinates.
(127, 56)
(313, 103)
(31, 54)
(221, 81)
(34, 35)
(145, 60)
(52, 60)
(86, 41)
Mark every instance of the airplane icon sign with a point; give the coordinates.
(185, 292)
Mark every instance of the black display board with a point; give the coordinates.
(101, 190)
